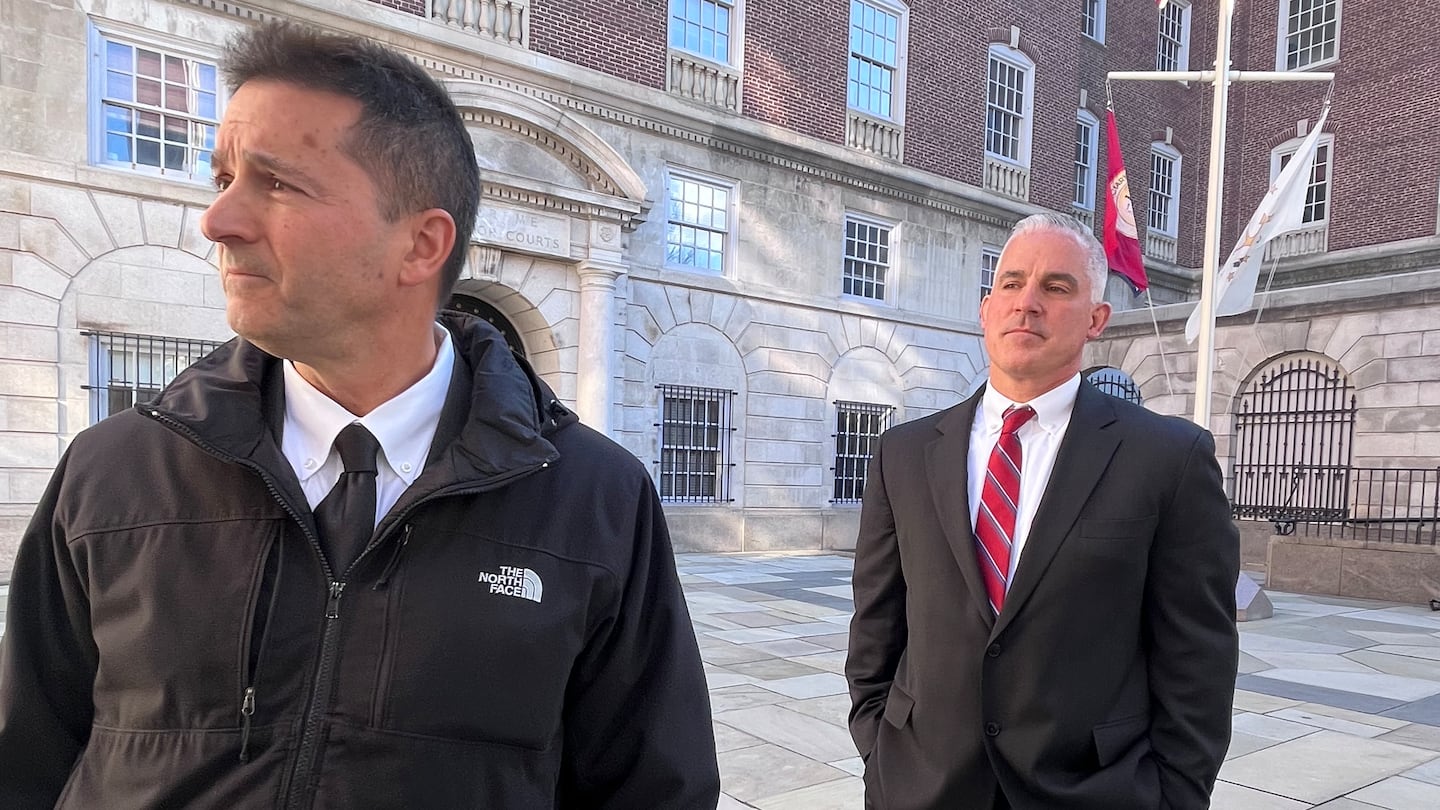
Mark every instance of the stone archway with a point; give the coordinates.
(554, 191)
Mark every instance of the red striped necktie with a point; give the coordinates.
(995, 520)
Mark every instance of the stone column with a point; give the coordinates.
(593, 396)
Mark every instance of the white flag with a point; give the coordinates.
(1281, 211)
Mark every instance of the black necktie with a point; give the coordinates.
(346, 518)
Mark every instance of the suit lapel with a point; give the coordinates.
(1084, 453)
(947, 460)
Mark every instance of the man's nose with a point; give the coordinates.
(1028, 299)
(229, 217)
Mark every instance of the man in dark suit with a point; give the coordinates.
(1044, 577)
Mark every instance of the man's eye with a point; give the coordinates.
(221, 183)
(277, 185)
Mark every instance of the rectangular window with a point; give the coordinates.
(702, 27)
(1311, 31)
(1317, 194)
(989, 263)
(857, 426)
(126, 369)
(867, 259)
(156, 111)
(1173, 50)
(1092, 19)
(1164, 191)
(698, 224)
(694, 438)
(1085, 141)
(874, 59)
(1005, 109)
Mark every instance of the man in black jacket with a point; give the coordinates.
(505, 629)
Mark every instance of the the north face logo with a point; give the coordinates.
(512, 581)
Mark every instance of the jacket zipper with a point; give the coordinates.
(394, 563)
(247, 710)
(309, 740)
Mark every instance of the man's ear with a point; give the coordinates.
(1099, 317)
(432, 236)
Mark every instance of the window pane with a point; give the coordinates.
(117, 148)
(117, 119)
(147, 153)
(175, 157)
(120, 57)
(118, 86)
(149, 63)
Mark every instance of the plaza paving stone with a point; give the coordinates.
(1337, 706)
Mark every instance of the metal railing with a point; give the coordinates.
(1373, 504)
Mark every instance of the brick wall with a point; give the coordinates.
(624, 38)
(795, 66)
(416, 7)
(1385, 112)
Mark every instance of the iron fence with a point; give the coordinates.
(1374, 504)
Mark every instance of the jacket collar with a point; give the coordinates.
(495, 422)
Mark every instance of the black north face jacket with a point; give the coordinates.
(514, 635)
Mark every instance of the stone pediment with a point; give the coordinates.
(519, 136)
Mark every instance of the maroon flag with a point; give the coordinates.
(1122, 240)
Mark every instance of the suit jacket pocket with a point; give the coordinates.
(898, 706)
(1114, 738)
(1099, 529)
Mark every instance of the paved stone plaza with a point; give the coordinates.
(1338, 705)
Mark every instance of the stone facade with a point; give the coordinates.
(581, 113)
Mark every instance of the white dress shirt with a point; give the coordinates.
(403, 425)
(1039, 442)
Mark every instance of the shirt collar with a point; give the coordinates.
(404, 425)
(1052, 408)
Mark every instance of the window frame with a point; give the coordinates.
(735, 49)
(1098, 35)
(667, 474)
(727, 242)
(1278, 158)
(899, 70)
(848, 485)
(1087, 119)
(102, 383)
(887, 278)
(1282, 38)
(1172, 209)
(97, 35)
(988, 252)
(1182, 55)
(1017, 60)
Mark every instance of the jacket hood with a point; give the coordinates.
(497, 415)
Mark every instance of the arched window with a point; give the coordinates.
(1294, 425)
(1115, 382)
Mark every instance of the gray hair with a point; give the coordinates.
(1066, 225)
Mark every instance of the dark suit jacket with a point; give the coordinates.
(1106, 682)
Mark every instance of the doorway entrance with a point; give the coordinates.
(488, 313)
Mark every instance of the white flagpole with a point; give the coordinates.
(1205, 360)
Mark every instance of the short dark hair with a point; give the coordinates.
(410, 137)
